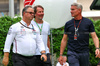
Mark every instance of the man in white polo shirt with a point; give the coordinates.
(25, 38)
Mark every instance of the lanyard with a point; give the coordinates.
(39, 27)
(28, 27)
(76, 29)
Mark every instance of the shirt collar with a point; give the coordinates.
(25, 23)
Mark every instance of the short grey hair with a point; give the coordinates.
(25, 8)
(78, 5)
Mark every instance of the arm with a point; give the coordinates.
(8, 42)
(9, 39)
(96, 42)
(48, 43)
(5, 60)
(63, 45)
(41, 47)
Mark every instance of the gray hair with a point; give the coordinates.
(25, 8)
(78, 5)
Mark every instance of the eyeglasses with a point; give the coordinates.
(30, 12)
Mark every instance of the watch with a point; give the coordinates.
(43, 53)
(98, 48)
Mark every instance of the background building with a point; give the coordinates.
(4, 7)
(95, 14)
(19, 4)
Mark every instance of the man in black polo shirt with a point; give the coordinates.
(77, 31)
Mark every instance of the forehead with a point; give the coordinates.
(30, 9)
(39, 8)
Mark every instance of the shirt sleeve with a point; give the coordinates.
(39, 42)
(49, 30)
(91, 27)
(65, 29)
(9, 39)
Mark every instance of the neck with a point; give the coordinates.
(38, 21)
(27, 21)
(78, 17)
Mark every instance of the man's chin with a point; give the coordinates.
(72, 15)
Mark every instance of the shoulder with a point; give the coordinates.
(32, 21)
(15, 25)
(69, 22)
(46, 23)
(86, 19)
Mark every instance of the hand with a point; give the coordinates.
(44, 57)
(5, 61)
(61, 60)
(97, 53)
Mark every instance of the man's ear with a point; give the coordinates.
(23, 13)
(79, 10)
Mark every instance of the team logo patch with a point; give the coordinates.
(22, 32)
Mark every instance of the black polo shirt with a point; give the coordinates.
(82, 42)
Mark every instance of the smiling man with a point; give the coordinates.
(44, 31)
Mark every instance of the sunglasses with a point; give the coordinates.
(30, 12)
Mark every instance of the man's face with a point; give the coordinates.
(75, 11)
(39, 14)
(29, 13)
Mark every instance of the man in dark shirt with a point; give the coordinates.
(77, 31)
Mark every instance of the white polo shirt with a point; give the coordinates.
(24, 39)
(44, 34)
